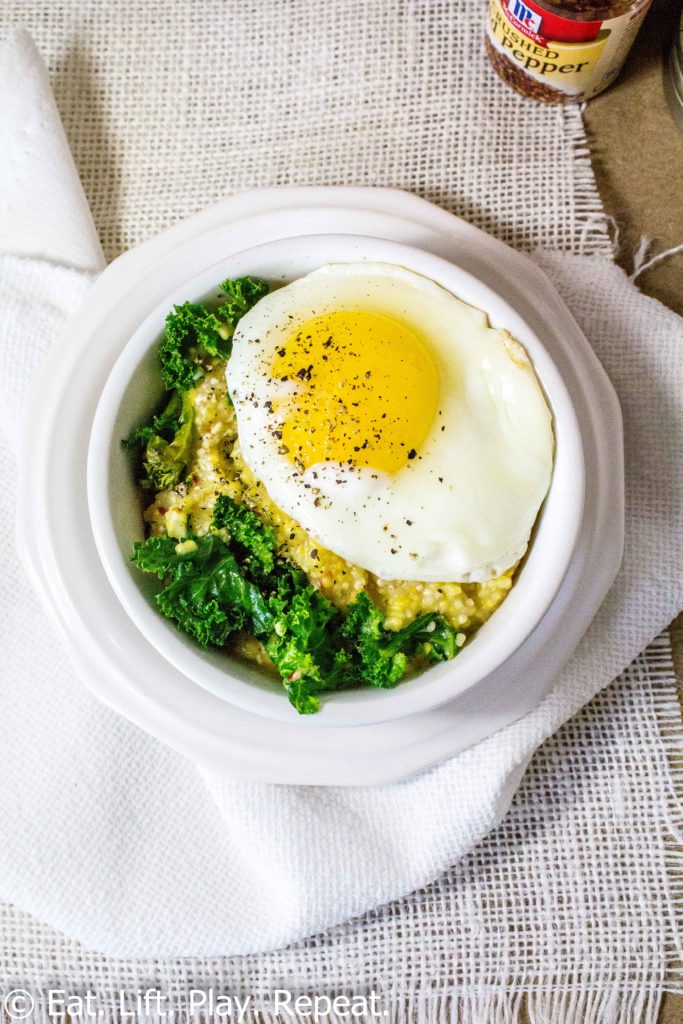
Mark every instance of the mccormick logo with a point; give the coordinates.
(524, 16)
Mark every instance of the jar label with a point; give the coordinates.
(576, 58)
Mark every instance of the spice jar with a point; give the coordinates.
(566, 51)
(673, 82)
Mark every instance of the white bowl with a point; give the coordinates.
(132, 392)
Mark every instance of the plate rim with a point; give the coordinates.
(136, 704)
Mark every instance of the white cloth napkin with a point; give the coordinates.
(43, 210)
(120, 842)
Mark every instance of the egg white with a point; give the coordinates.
(464, 509)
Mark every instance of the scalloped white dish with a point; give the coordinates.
(118, 661)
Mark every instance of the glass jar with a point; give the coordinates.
(673, 83)
(565, 51)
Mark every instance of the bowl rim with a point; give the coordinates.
(233, 681)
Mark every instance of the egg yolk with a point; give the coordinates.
(366, 392)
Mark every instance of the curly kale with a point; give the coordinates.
(382, 655)
(241, 294)
(216, 587)
(164, 444)
(317, 649)
(429, 637)
(305, 628)
(304, 642)
(205, 593)
(195, 332)
(246, 529)
(158, 555)
(210, 597)
(381, 661)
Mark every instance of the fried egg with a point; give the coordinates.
(384, 414)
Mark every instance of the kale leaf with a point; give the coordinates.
(206, 593)
(246, 530)
(164, 444)
(215, 588)
(195, 332)
(303, 643)
(381, 661)
(242, 293)
(302, 697)
(188, 601)
(430, 637)
(382, 654)
(157, 555)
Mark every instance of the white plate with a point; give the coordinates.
(122, 667)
